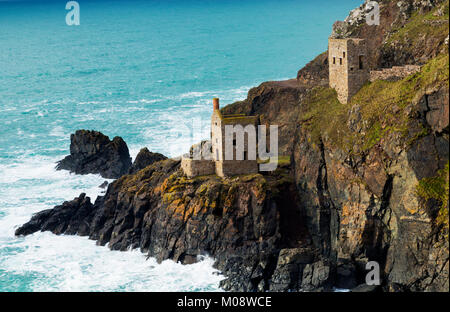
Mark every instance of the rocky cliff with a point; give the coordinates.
(145, 158)
(243, 221)
(372, 175)
(367, 181)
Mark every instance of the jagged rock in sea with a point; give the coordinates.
(145, 158)
(103, 185)
(94, 152)
(68, 218)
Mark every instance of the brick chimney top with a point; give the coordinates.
(216, 103)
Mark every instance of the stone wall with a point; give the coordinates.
(218, 139)
(394, 73)
(236, 167)
(193, 168)
(358, 68)
(216, 146)
(216, 134)
(338, 67)
(348, 69)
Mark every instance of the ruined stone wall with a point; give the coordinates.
(236, 167)
(358, 68)
(338, 67)
(239, 121)
(394, 73)
(348, 66)
(193, 168)
(231, 167)
(216, 135)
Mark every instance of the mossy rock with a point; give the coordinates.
(437, 189)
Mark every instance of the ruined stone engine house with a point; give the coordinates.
(347, 66)
(208, 157)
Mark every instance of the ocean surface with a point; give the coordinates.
(143, 70)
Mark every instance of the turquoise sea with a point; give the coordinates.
(144, 70)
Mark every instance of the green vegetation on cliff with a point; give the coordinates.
(381, 107)
(437, 188)
(383, 104)
(433, 24)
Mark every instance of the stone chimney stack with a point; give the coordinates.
(216, 103)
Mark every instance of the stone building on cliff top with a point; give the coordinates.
(208, 157)
(348, 70)
(349, 67)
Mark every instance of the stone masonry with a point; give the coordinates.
(208, 157)
(347, 66)
(394, 73)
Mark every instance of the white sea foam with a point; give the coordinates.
(341, 290)
(229, 94)
(72, 263)
(134, 150)
(149, 101)
(58, 131)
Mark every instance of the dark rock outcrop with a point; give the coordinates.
(361, 204)
(145, 158)
(315, 73)
(243, 222)
(69, 218)
(300, 269)
(94, 152)
(103, 185)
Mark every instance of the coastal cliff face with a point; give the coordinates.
(243, 221)
(365, 171)
(367, 181)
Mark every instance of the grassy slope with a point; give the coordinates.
(383, 107)
(422, 25)
(437, 189)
